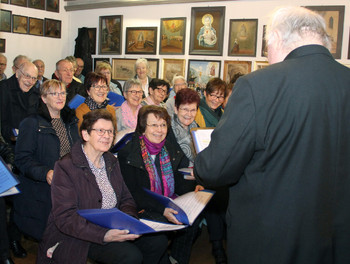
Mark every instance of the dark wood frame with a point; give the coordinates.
(130, 44)
(218, 23)
(40, 6)
(9, 14)
(240, 67)
(4, 1)
(180, 33)
(49, 7)
(42, 29)
(14, 25)
(103, 35)
(17, 3)
(58, 22)
(190, 75)
(2, 45)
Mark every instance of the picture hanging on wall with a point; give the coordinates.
(98, 60)
(110, 39)
(52, 28)
(260, 65)
(19, 2)
(124, 69)
(2, 45)
(264, 44)
(172, 36)
(19, 24)
(92, 39)
(5, 1)
(172, 67)
(5, 20)
(233, 67)
(243, 35)
(38, 4)
(53, 5)
(207, 30)
(200, 71)
(334, 18)
(36, 26)
(141, 40)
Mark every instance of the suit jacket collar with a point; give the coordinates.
(308, 50)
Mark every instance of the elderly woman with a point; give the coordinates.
(152, 161)
(97, 90)
(210, 110)
(179, 83)
(158, 90)
(141, 69)
(127, 112)
(90, 178)
(105, 69)
(43, 139)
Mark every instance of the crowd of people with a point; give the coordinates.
(277, 159)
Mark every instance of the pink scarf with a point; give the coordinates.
(129, 119)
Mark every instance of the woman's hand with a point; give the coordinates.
(49, 176)
(169, 214)
(116, 235)
(199, 188)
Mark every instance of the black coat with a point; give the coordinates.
(37, 150)
(283, 145)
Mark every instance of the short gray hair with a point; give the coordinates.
(177, 77)
(297, 24)
(18, 58)
(139, 61)
(130, 83)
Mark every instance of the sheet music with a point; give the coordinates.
(161, 226)
(7, 180)
(201, 138)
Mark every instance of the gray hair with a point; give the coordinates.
(139, 61)
(130, 83)
(297, 25)
(177, 77)
(3, 56)
(19, 58)
(59, 63)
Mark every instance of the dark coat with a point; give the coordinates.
(15, 105)
(283, 145)
(73, 188)
(37, 150)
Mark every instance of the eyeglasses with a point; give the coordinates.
(80, 67)
(99, 87)
(28, 77)
(3, 64)
(56, 94)
(162, 91)
(191, 111)
(133, 92)
(217, 97)
(67, 70)
(181, 84)
(162, 126)
(102, 132)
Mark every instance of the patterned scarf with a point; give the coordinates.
(93, 105)
(211, 117)
(166, 169)
(129, 119)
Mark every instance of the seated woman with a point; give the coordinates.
(152, 161)
(210, 110)
(97, 89)
(127, 113)
(186, 106)
(44, 138)
(88, 178)
(105, 69)
(157, 92)
(142, 69)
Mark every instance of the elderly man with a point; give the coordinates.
(64, 72)
(3, 64)
(80, 68)
(283, 147)
(17, 61)
(41, 71)
(179, 83)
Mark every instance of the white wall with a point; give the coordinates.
(51, 50)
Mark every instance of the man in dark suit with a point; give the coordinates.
(41, 71)
(283, 147)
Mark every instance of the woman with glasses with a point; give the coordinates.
(43, 139)
(151, 160)
(97, 90)
(90, 178)
(105, 69)
(210, 110)
(157, 92)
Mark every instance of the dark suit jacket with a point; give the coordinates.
(283, 145)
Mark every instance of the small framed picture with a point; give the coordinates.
(260, 65)
(4, 1)
(36, 26)
(19, 24)
(172, 36)
(141, 40)
(233, 67)
(37, 4)
(172, 67)
(110, 39)
(52, 28)
(5, 20)
(53, 5)
(201, 71)
(2, 45)
(124, 69)
(19, 2)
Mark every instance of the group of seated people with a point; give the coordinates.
(64, 165)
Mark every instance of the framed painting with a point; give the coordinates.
(36, 26)
(19, 2)
(243, 35)
(264, 43)
(260, 65)
(233, 67)
(110, 38)
(334, 18)
(2, 45)
(5, 20)
(200, 72)
(37, 4)
(153, 70)
(19, 24)
(92, 40)
(53, 5)
(141, 40)
(172, 36)
(52, 28)
(172, 67)
(207, 30)
(124, 69)
(4, 1)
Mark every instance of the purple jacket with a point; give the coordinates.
(73, 188)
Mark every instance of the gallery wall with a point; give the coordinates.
(51, 50)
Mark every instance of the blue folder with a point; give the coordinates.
(76, 101)
(115, 99)
(7, 178)
(122, 142)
